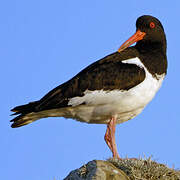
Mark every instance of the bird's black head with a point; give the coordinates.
(149, 34)
(153, 29)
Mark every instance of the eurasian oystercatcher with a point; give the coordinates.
(112, 90)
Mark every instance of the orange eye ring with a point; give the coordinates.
(152, 25)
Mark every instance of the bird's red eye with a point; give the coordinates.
(152, 25)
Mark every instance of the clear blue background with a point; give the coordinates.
(45, 43)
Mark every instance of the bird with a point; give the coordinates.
(111, 90)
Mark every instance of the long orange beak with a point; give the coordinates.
(134, 38)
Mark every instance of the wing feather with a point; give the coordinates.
(108, 73)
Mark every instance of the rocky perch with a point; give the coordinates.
(124, 169)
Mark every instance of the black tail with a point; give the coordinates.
(24, 109)
(25, 114)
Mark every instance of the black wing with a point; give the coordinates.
(108, 73)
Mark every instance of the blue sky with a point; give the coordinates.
(45, 43)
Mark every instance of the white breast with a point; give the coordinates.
(100, 105)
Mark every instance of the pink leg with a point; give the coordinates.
(110, 137)
(107, 138)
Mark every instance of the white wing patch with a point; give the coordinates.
(135, 61)
(96, 97)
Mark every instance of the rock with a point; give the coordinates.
(97, 170)
(124, 169)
